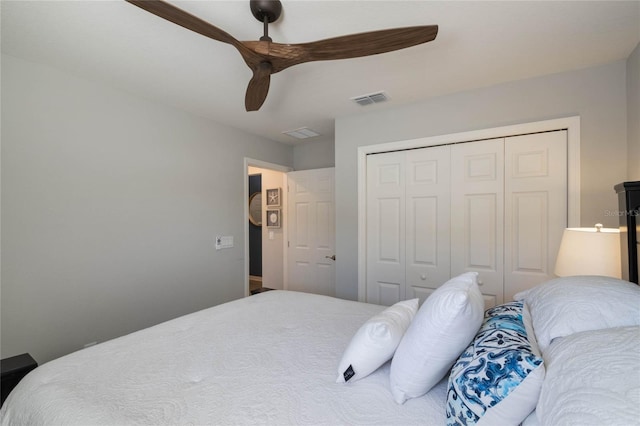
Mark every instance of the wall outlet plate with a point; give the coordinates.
(224, 241)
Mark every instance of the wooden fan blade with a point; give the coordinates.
(371, 43)
(178, 16)
(351, 46)
(258, 87)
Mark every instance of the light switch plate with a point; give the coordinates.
(224, 241)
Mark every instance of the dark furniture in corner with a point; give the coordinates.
(13, 370)
(629, 213)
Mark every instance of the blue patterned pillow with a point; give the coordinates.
(497, 379)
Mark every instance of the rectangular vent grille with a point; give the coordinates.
(302, 133)
(370, 99)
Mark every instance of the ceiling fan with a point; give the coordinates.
(265, 57)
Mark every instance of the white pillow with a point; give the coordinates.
(592, 379)
(443, 327)
(376, 341)
(564, 306)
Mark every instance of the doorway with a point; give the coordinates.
(255, 233)
(265, 253)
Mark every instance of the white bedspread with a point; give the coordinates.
(266, 359)
(593, 378)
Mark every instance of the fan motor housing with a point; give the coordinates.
(270, 9)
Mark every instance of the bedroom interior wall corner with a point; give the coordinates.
(633, 115)
(110, 208)
(314, 155)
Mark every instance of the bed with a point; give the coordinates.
(265, 359)
(273, 358)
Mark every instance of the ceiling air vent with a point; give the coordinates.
(371, 98)
(302, 133)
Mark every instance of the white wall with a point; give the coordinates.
(633, 115)
(597, 95)
(110, 206)
(314, 155)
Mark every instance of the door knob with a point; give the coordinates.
(331, 257)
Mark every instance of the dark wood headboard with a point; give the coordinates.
(629, 213)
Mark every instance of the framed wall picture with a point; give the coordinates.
(273, 218)
(273, 197)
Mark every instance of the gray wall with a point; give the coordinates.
(110, 206)
(314, 155)
(633, 114)
(597, 95)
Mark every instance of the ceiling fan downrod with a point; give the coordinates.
(265, 36)
(266, 11)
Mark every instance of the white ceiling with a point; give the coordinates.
(479, 44)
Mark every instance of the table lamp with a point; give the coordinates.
(589, 251)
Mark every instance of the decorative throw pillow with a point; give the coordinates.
(442, 328)
(497, 380)
(564, 306)
(376, 341)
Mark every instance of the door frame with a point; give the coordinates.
(570, 124)
(251, 162)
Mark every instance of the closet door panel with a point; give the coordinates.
(386, 228)
(477, 214)
(388, 212)
(480, 231)
(535, 207)
(387, 293)
(529, 228)
(421, 293)
(428, 202)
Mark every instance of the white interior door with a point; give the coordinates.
(428, 202)
(386, 228)
(535, 207)
(311, 231)
(477, 214)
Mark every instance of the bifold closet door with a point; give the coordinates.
(477, 214)
(428, 207)
(386, 228)
(408, 207)
(535, 207)
(497, 207)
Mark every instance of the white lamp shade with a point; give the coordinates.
(589, 251)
